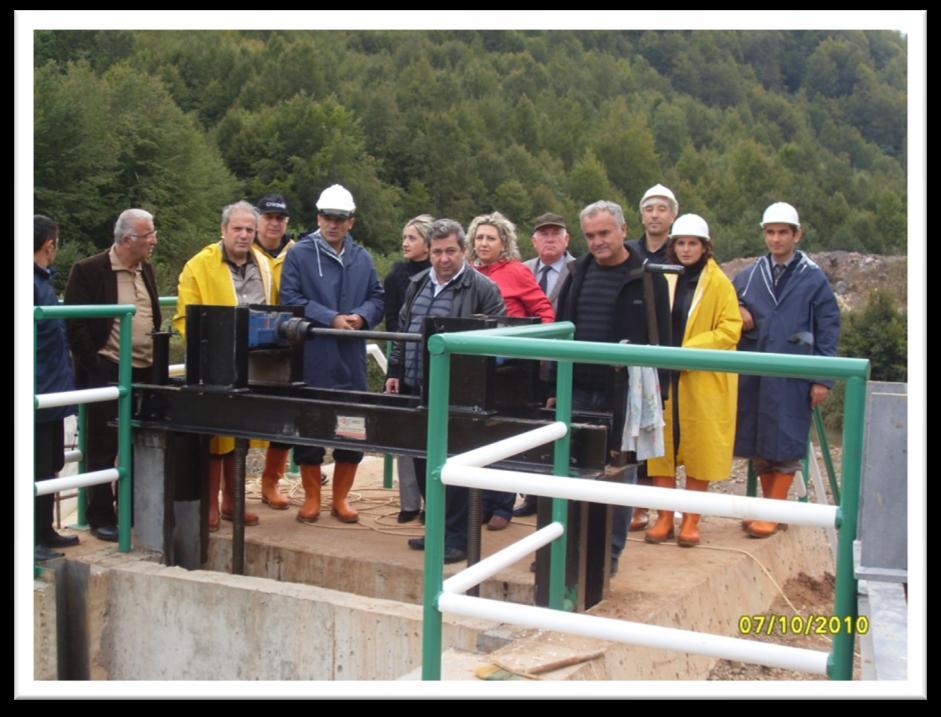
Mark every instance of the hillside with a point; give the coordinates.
(853, 276)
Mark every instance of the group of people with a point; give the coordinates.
(781, 304)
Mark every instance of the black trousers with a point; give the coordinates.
(48, 457)
(101, 443)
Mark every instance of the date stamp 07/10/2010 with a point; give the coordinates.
(828, 625)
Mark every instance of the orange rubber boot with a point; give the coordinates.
(310, 479)
(228, 491)
(688, 536)
(275, 458)
(663, 528)
(780, 484)
(343, 476)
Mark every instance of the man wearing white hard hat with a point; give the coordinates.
(658, 210)
(787, 307)
(335, 281)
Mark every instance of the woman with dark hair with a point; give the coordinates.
(700, 414)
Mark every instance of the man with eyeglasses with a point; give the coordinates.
(335, 281)
(119, 275)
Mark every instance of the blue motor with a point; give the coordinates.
(272, 329)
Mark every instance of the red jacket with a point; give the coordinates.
(521, 293)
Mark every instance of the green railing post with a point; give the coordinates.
(387, 471)
(124, 435)
(81, 522)
(827, 458)
(841, 664)
(36, 568)
(751, 482)
(563, 413)
(437, 452)
(387, 458)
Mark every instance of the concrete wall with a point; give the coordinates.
(165, 623)
(364, 575)
(45, 647)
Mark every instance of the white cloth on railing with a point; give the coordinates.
(643, 421)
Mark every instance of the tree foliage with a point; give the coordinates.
(457, 123)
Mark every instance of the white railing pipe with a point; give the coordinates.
(86, 395)
(595, 491)
(490, 566)
(634, 633)
(83, 480)
(376, 352)
(495, 452)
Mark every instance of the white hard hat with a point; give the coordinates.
(781, 213)
(690, 225)
(336, 199)
(658, 190)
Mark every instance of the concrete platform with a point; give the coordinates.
(332, 601)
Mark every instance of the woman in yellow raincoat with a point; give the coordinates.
(700, 413)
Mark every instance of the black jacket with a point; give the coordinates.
(396, 285)
(630, 310)
(474, 294)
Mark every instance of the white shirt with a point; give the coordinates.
(552, 276)
(439, 287)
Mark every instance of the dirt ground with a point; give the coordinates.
(810, 597)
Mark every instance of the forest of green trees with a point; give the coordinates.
(456, 123)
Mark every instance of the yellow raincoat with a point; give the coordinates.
(276, 264)
(708, 400)
(206, 279)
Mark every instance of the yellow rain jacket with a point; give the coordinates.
(276, 264)
(707, 400)
(206, 279)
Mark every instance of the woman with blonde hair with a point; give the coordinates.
(493, 251)
(416, 246)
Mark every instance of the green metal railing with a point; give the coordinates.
(81, 521)
(125, 313)
(541, 342)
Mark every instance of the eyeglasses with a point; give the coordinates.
(148, 235)
(335, 217)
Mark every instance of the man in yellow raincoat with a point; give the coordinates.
(230, 272)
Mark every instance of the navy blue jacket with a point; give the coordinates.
(774, 413)
(327, 285)
(53, 365)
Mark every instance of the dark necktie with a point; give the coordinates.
(544, 279)
(777, 272)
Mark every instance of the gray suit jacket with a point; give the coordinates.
(563, 275)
